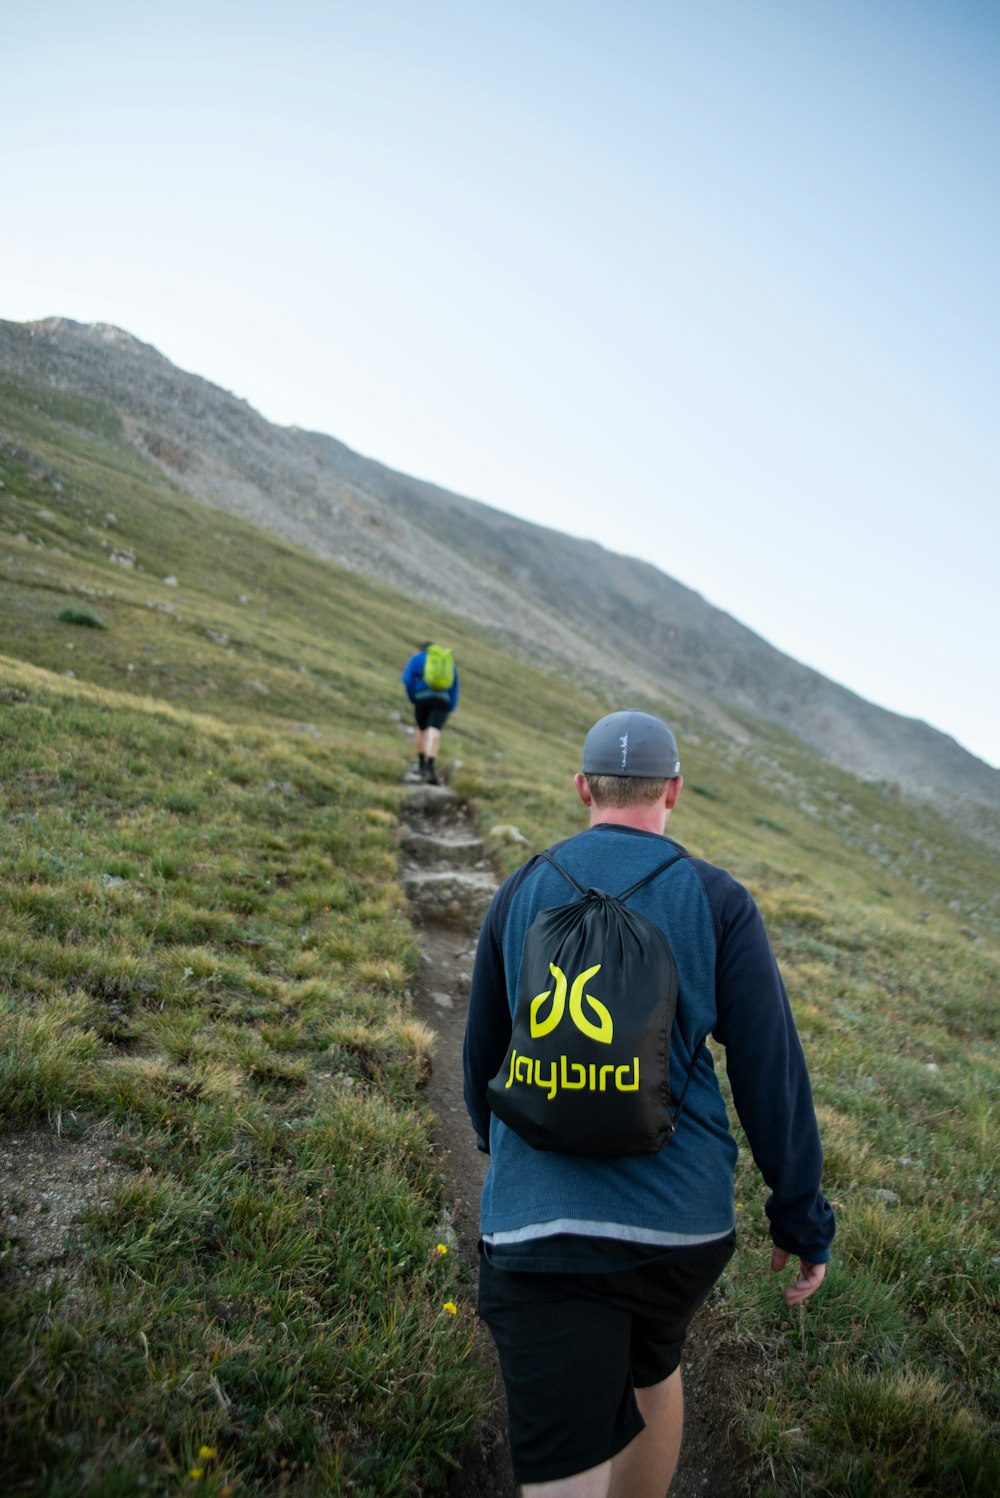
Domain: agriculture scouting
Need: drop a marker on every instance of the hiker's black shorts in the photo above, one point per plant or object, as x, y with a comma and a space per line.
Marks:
574, 1348
431, 712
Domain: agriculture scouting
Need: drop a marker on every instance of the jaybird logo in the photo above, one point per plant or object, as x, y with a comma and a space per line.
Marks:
602, 1029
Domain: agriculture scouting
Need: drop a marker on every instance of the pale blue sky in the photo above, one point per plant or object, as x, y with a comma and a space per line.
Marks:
716, 285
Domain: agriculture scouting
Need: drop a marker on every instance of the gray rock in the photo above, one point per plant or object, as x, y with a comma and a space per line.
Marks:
450, 895
427, 848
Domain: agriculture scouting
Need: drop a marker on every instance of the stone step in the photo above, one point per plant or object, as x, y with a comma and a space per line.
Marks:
430, 798
456, 848
454, 895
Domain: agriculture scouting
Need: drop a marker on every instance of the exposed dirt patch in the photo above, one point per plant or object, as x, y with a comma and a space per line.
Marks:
436, 825
46, 1182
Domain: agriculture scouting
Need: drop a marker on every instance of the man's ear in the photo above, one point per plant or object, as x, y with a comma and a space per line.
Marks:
673, 791
582, 788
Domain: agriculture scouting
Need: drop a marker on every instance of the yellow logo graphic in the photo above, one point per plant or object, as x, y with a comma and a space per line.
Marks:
572, 1076
603, 1030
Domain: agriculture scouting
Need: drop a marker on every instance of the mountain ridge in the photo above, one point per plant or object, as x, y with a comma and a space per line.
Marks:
565, 600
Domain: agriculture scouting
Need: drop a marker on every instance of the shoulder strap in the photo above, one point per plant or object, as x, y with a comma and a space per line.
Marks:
626, 894
564, 872
687, 1081
648, 878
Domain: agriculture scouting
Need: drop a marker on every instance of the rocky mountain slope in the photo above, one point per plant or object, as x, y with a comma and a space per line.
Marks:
549, 595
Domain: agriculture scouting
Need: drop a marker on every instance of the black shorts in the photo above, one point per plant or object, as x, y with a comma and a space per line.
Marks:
574, 1347
431, 712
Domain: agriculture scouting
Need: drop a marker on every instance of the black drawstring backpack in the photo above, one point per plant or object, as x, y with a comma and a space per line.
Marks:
587, 1069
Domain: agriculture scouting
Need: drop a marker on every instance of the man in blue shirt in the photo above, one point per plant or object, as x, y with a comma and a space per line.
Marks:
592, 1268
431, 707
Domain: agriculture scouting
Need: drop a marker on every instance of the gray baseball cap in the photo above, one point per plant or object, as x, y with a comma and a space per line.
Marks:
631, 743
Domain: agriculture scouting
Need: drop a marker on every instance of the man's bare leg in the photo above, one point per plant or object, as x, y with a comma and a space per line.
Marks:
428, 741
645, 1468
590, 1484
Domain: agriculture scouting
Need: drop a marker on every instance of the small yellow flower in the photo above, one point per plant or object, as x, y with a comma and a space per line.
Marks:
441, 1248
195, 1473
207, 1453
451, 1308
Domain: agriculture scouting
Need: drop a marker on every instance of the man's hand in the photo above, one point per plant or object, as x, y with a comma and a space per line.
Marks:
810, 1277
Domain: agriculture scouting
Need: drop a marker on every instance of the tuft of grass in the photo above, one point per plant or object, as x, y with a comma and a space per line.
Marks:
84, 617
48, 1058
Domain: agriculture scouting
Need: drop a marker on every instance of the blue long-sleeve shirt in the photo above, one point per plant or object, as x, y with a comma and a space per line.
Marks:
729, 988
417, 688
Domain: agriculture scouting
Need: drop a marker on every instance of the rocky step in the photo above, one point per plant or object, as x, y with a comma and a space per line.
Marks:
452, 895
456, 848
431, 799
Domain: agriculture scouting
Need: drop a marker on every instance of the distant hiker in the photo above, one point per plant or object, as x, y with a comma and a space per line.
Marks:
431, 682
595, 1257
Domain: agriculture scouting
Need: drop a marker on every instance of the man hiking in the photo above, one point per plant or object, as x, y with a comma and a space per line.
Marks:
594, 1257
431, 682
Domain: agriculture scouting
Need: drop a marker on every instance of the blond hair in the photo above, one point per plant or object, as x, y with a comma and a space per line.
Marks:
625, 790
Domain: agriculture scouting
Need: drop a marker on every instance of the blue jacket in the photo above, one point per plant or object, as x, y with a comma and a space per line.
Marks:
729, 988
417, 688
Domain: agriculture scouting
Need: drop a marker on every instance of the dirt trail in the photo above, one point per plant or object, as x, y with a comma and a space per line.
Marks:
448, 878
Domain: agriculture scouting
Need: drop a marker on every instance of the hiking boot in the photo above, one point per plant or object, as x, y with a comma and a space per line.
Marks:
430, 776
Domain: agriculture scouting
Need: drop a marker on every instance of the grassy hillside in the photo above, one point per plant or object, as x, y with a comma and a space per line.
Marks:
204, 960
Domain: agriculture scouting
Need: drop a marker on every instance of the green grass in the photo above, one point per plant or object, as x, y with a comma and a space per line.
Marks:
204, 952
83, 617
204, 969
896, 1359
